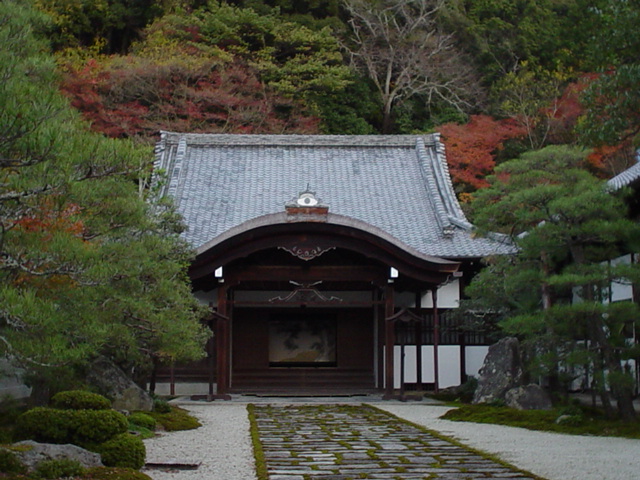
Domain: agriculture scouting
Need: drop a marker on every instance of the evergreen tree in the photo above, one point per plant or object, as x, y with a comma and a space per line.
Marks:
554, 293
87, 266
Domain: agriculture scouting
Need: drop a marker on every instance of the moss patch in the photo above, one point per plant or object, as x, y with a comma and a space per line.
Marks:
176, 419
590, 422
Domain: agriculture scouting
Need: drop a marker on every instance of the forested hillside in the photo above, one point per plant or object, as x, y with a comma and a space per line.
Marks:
496, 77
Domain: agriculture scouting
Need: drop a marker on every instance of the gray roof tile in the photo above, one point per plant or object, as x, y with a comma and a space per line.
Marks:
398, 184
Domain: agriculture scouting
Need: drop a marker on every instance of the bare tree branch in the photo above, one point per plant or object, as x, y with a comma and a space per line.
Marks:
398, 44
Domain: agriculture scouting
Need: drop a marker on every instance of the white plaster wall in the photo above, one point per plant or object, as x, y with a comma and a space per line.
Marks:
448, 365
474, 359
621, 291
207, 297
448, 297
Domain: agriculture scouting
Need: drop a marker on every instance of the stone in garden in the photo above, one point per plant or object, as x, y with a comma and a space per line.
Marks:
32, 453
112, 382
501, 371
529, 397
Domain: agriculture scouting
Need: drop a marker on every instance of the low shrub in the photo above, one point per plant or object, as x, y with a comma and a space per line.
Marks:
59, 468
176, 419
80, 400
97, 426
46, 425
143, 420
85, 428
9, 462
114, 473
123, 450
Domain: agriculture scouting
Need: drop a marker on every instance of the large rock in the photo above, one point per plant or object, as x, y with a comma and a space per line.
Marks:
501, 371
113, 383
32, 453
11, 381
529, 397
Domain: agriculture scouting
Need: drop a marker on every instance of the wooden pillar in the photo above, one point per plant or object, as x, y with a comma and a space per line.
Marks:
389, 342
436, 340
418, 335
223, 345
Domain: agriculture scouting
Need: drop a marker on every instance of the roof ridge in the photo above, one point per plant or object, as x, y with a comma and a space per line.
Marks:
295, 140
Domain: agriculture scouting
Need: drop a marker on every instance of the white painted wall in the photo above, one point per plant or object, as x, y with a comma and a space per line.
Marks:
448, 297
448, 364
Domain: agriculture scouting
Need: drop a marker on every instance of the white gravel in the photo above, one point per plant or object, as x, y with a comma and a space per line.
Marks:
550, 455
222, 446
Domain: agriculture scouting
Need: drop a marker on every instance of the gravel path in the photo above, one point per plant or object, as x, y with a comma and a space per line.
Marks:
549, 455
223, 448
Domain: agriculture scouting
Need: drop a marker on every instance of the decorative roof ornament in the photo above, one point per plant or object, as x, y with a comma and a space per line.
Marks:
306, 208
306, 198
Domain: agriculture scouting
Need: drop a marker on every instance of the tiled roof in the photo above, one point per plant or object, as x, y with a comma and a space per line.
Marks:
627, 178
397, 184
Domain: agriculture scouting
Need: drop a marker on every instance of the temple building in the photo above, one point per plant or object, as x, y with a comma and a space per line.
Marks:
330, 263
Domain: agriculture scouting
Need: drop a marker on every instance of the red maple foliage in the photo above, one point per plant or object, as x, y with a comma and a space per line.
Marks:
139, 98
472, 148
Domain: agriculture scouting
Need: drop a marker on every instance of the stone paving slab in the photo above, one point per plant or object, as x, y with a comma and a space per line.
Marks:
351, 442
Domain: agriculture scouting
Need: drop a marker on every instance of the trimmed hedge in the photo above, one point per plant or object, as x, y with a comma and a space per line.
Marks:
80, 400
123, 450
85, 428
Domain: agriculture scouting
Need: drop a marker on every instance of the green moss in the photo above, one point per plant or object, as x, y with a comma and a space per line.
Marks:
258, 453
113, 473
176, 419
9, 462
59, 468
581, 421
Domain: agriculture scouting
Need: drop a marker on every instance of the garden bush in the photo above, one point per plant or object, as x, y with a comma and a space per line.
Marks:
143, 420
46, 425
59, 468
9, 463
97, 426
80, 400
114, 473
85, 428
123, 450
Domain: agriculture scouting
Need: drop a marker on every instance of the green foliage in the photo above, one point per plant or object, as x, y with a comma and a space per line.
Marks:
555, 291
45, 425
612, 100
80, 400
114, 473
9, 462
124, 451
85, 428
59, 468
177, 419
143, 420
88, 263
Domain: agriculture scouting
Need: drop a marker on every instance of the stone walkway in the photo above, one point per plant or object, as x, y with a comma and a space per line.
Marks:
343, 442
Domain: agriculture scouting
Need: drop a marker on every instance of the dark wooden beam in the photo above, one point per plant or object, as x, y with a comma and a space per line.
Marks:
305, 274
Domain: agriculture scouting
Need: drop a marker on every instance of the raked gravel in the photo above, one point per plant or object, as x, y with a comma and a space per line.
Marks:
222, 446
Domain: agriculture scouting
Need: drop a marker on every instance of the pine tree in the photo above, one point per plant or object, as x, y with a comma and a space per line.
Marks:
554, 293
